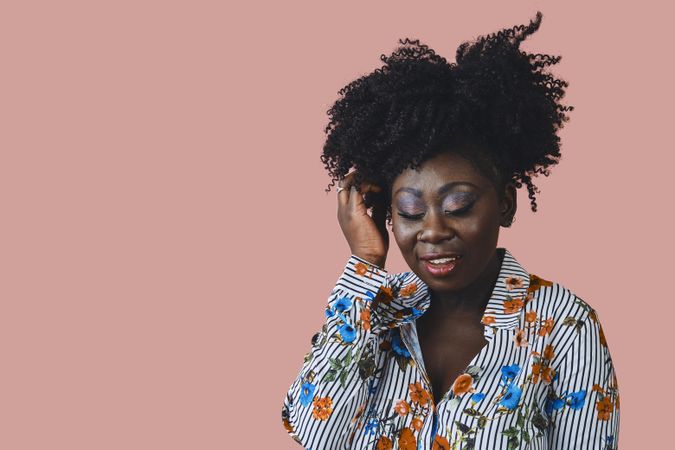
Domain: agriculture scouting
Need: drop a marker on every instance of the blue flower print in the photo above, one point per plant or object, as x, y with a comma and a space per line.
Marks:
478, 396
511, 397
575, 400
329, 313
371, 426
553, 405
348, 333
509, 373
413, 315
342, 305
307, 393
397, 345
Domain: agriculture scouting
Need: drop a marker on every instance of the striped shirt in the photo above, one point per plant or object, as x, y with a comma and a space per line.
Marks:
544, 380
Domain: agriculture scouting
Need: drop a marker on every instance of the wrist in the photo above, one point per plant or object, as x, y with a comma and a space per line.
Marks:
377, 261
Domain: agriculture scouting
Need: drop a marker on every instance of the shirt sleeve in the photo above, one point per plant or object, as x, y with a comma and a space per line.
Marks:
584, 403
330, 392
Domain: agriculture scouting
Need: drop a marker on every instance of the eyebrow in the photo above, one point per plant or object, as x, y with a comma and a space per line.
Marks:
442, 190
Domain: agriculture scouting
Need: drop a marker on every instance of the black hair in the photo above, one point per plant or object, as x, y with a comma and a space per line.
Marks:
498, 98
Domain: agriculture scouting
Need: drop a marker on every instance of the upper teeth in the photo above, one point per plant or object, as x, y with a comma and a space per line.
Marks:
442, 260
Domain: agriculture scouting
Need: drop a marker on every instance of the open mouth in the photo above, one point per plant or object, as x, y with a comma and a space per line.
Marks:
440, 266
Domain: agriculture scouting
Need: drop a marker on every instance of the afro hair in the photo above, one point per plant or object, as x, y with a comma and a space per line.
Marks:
497, 98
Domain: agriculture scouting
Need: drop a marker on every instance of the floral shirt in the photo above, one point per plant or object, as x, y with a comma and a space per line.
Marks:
544, 380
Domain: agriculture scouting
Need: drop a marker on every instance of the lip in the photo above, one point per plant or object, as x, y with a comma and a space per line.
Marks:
430, 256
440, 270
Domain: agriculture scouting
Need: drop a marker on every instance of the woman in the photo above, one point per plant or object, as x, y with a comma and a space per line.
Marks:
468, 349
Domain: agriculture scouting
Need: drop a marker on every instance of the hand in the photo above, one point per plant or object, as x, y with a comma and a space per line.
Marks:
367, 236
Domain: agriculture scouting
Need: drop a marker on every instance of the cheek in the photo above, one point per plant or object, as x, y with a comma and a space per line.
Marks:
480, 227
404, 234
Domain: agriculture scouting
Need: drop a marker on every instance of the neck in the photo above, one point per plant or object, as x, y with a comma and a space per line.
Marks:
472, 300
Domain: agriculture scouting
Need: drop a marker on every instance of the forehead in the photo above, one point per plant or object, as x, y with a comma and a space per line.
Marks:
443, 168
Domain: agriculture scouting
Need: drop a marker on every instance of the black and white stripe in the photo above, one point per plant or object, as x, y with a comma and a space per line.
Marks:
581, 361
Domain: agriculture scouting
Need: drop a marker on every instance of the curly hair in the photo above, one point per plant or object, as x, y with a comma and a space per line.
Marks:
497, 98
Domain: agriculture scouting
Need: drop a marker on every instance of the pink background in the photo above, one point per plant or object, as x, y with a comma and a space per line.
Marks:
167, 245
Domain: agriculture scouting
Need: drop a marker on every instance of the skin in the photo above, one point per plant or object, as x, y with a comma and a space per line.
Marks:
431, 215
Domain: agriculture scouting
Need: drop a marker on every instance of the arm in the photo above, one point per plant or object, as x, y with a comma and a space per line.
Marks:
333, 382
584, 403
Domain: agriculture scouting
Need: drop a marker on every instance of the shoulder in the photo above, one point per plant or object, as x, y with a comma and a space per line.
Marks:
553, 300
570, 318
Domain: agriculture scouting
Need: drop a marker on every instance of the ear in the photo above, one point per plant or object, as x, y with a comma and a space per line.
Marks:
509, 204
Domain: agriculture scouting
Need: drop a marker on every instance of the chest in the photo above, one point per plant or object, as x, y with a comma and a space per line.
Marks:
447, 351
502, 397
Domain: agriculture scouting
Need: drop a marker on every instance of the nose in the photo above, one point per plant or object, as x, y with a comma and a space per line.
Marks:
435, 228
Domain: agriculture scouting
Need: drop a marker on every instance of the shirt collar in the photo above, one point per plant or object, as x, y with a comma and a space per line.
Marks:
512, 290
510, 294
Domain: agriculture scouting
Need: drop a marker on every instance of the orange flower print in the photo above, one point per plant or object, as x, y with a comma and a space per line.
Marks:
488, 320
536, 283
520, 339
417, 423
418, 394
359, 412
536, 372
365, 319
408, 290
462, 384
323, 407
598, 388
548, 352
604, 407
406, 440
513, 283
530, 316
618, 405
402, 408
384, 295
360, 268
288, 426
440, 443
593, 315
546, 373
384, 443
514, 305
546, 327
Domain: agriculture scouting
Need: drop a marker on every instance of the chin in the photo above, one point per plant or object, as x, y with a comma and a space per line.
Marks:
449, 283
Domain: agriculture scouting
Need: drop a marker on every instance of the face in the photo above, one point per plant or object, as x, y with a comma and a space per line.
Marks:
447, 208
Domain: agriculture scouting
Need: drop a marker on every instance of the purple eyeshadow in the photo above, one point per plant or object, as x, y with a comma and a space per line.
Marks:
457, 200
414, 205
410, 206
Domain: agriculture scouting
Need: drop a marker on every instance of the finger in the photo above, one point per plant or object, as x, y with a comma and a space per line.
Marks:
345, 185
356, 200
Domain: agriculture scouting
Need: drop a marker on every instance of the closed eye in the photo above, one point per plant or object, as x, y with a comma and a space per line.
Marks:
460, 211
409, 216
456, 212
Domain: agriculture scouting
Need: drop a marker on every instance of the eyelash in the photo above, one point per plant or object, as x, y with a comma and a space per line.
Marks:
457, 212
